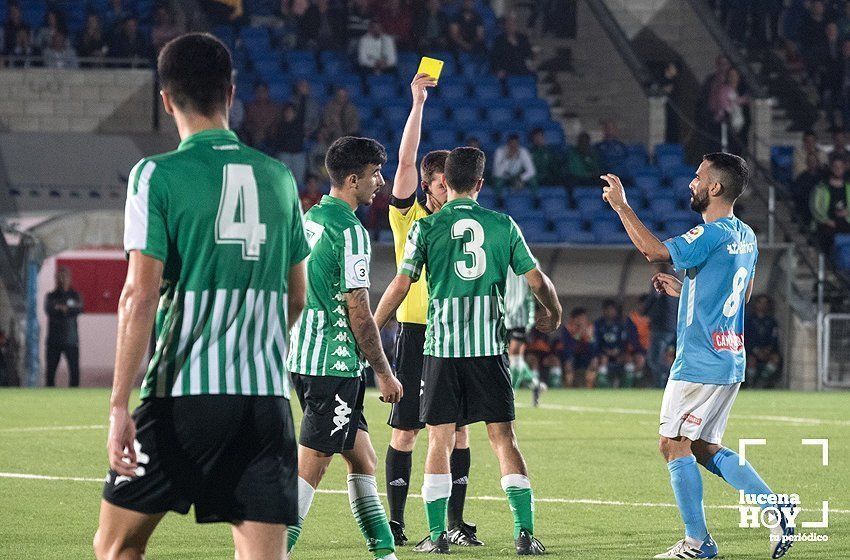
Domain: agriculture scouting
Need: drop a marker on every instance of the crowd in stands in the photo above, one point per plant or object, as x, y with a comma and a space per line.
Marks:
96, 34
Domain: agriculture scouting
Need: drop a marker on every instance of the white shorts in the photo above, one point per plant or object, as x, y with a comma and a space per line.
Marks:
696, 410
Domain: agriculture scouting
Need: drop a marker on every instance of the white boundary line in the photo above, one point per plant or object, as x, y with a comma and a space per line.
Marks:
53, 428
578, 501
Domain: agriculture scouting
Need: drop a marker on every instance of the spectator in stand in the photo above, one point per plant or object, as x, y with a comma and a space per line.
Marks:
541, 355
830, 203
114, 17
357, 18
431, 27
548, 161
832, 74
308, 110
376, 52
810, 146
23, 49
395, 17
670, 87
813, 41
14, 24
612, 152
53, 24
803, 186
662, 311
92, 43
62, 306
583, 167
60, 54
765, 21
341, 116
312, 193
511, 55
165, 28
734, 111
467, 29
616, 367
130, 42
709, 104
319, 26
261, 118
843, 94
761, 339
512, 166
637, 324
577, 350
838, 146
288, 143
316, 156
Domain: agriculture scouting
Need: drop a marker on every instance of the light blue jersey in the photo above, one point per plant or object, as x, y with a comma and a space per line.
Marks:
719, 260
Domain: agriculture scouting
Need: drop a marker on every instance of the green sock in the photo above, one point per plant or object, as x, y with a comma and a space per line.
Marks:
436, 490
305, 500
518, 489
369, 513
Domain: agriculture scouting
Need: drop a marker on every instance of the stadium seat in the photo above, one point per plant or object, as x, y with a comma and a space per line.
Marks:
528, 215
662, 207
667, 162
269, 69
453, 91
382, 87
670, 149
280, 90
487, 92
394, 115
522, 91
678, 227
609, 232
841, 252
521, 81
551, 191
535, 116
589, 206
557, 215
518, 202
648, 180
487, 199
466, 115
573, 232
782, 163
351, 83
499, 116
444, 136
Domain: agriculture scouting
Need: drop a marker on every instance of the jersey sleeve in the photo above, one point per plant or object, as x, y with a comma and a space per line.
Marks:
298, 246
145, 227
691, 249
354, 254
522, 260
414, 254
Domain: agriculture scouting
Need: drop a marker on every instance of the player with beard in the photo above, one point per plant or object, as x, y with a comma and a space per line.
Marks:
335, 337
719, 261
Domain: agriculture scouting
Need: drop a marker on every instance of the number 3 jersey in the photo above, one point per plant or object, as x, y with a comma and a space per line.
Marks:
719, 260
322, 340
466, 251
226, 222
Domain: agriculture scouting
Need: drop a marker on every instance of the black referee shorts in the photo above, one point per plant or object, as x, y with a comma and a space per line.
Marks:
466, 390
409, 345
234, 457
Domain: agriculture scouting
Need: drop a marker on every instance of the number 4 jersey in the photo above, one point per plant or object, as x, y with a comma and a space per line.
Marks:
719, 260
466, 251
226, 221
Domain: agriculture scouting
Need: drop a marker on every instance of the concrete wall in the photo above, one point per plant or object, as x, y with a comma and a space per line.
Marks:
51, 100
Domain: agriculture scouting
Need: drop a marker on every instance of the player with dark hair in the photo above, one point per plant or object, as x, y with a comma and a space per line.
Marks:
466, 252
404, 210
719, 260
215, 227
334, 339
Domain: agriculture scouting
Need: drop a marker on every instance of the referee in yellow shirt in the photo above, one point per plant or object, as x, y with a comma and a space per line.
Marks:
405, 209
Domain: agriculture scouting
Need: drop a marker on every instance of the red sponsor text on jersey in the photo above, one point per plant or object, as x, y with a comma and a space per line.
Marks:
690, 418
728, 340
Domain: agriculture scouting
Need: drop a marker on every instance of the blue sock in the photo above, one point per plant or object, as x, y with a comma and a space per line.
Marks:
687, 486
725, 464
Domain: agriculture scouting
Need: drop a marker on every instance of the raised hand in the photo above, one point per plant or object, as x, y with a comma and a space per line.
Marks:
613, 193
419, 86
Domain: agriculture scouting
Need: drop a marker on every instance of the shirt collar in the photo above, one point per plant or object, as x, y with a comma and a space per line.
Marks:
328, 199
459, 201
208, 136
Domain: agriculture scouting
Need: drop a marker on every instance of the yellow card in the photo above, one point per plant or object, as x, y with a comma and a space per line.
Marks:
431, 66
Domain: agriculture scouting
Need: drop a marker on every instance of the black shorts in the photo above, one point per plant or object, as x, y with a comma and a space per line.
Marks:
409, 345
520, 335
332, 406
466, 390
234, 457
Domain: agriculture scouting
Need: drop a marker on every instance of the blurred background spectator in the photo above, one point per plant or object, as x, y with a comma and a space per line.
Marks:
431, 27
129, 42
165, 28
287, 143
62, 306
583, 167
341, 117
830, 203
11, 30
92, 43
761, 338
311, 192
261, 117
513, 167
803, 186
376, 51
53, 24
60, 54
511, 55
467, 29
548, 160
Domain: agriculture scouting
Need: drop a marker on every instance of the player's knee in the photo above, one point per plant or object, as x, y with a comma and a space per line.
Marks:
403, 440
106, 549
664, 448
462, 438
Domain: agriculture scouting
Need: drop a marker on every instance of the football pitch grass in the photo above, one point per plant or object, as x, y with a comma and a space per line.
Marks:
602, 489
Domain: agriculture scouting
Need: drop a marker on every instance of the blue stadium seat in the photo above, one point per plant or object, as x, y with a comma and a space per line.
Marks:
444, 136
557, 215
609, 232
554, 134
573, 232
667, 162
782, 163
681, 182
535, 116
256, 39
662, 207
382, 87
465, 115
648, 180
452, 91
527, 215
434, 117
499, 116
487, 199
394, 115
280, 90
269, 70
551, 191
351, 83
589, 206
522, 91
487, 92
518, 202
521, 81
669, 149
678, 227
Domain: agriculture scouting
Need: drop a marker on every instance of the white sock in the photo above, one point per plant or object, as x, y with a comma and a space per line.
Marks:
436, 486
305, 498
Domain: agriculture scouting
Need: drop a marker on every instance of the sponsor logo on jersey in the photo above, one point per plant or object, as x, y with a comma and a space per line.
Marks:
339, 366
313, 232
692, 235
339, 310
341, 351
341, 323
741, 247
341, 337
691, 419
341, 413
728, 340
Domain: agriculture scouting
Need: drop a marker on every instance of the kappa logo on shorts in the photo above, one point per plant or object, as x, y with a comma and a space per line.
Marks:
341, 414
421, 387
142, 458
691, 419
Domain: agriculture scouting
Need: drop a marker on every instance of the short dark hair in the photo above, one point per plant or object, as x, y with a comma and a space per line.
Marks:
464, 168
433, 162
610, 303
513, 136
730, 171
197, 72
350, 155
577, 312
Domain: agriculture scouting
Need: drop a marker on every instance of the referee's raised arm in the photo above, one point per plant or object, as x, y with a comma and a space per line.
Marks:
407, 176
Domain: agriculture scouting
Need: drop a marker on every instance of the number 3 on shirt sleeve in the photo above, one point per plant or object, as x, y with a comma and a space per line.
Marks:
472, 249
239, 192
739, 284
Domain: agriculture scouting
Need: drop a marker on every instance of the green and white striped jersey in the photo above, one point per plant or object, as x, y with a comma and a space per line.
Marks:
322, 340
226, 222
466, 251
519, 303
